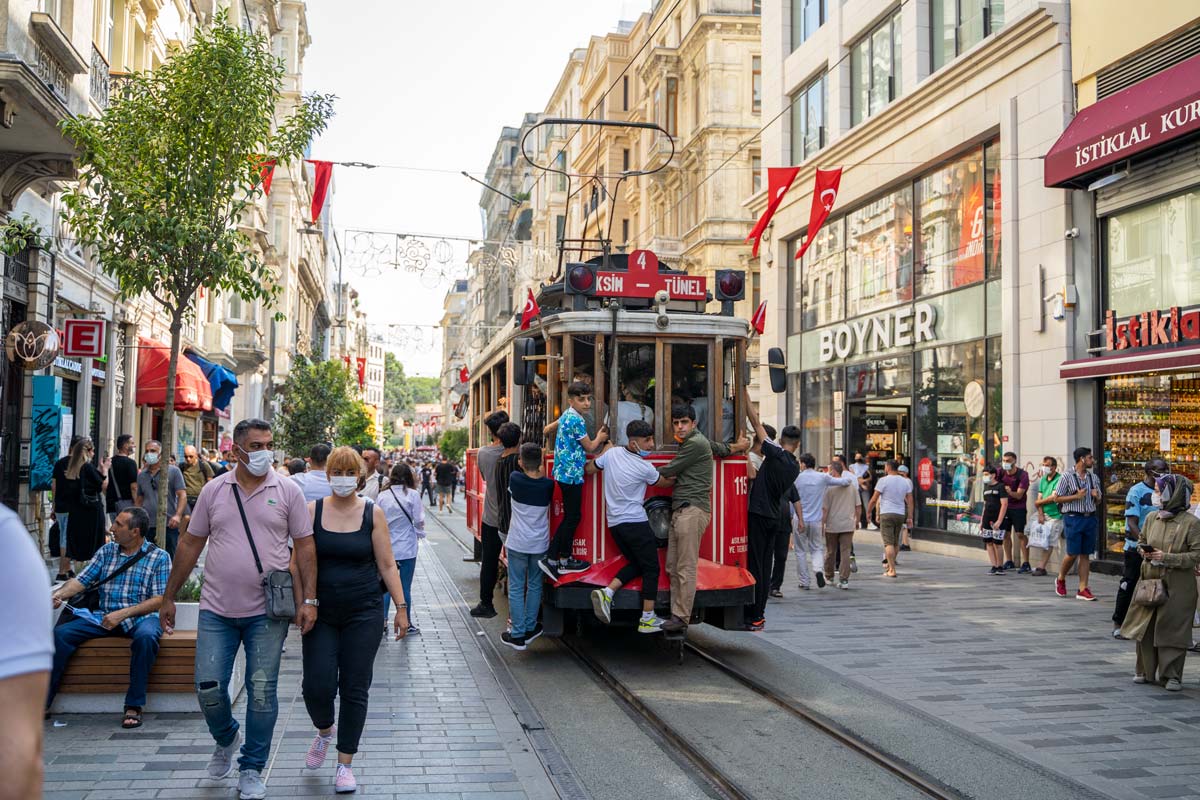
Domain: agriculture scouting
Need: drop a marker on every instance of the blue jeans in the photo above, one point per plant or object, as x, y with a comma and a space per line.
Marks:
407, 567
143, 650
217, 642
61, 517
524, 591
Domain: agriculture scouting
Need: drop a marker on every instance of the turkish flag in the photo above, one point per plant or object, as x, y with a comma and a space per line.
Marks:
362, 372
268, 174
531, 310
463, 374
320, 186
779, 180
759, 320
825, 192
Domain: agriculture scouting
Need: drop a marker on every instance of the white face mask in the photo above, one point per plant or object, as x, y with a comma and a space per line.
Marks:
986, 479
343, 485
1009, 467
1156, 499
152, 458
259, 462
1046, 470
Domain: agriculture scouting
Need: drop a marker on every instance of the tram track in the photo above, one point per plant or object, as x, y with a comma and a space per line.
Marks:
671, 735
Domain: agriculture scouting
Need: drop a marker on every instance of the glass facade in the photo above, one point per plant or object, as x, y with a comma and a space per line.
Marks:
808, 120
879, 255
958, 25
807, 17
951, 209
1152, 255
875, 70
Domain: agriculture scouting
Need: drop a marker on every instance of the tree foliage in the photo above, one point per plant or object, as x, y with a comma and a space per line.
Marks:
401, 393
357, 426
453, 443
314, 399
425, 390
169, 169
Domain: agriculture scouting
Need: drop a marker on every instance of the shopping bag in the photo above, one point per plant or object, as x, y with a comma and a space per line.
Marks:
1039, 534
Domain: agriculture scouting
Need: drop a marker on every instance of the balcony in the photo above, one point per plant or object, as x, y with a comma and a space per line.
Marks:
249, 350
744, 7
218, 344
56, 60
664, 247
98, 86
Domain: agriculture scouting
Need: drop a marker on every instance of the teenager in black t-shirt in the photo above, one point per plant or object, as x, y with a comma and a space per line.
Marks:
995, 511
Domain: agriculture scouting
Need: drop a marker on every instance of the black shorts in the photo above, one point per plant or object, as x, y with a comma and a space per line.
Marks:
992, 529
1016, 519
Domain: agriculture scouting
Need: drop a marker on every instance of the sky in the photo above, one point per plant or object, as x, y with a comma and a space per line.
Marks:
430, 85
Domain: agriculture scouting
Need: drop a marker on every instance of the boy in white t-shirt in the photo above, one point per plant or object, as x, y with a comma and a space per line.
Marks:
528, 538
626, 476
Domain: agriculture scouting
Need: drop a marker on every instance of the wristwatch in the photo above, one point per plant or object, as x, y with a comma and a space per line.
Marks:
311, 601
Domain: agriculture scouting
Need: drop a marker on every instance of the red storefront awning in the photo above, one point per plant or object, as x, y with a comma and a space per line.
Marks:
192, 390
1150, 113
1122, 363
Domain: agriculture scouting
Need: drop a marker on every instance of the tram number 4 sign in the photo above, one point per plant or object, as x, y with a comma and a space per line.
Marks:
83, 338
641, 278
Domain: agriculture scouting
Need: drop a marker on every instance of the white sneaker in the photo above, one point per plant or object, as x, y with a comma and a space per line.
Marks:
221, 764
251, 786
651, 625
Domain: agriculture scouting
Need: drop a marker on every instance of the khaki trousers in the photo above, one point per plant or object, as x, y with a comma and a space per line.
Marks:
683, 552
1159, 664
835, 543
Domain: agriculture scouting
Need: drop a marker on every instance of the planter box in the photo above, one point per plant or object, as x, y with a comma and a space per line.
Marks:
187, 616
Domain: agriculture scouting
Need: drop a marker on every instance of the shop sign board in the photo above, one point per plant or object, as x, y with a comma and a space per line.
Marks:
1151, 329
907, 326
83, 338
925, 474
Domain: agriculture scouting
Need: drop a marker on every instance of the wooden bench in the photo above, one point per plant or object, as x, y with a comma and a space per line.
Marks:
101, 666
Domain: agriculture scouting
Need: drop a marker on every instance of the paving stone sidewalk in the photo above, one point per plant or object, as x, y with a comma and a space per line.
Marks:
438, 727
1007, 660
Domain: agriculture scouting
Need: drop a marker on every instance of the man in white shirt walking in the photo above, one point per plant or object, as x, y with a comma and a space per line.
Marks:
893, 507
810, 538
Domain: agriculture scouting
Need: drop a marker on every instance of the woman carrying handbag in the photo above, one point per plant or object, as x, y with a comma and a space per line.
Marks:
86, 533
1160, 616
405, 513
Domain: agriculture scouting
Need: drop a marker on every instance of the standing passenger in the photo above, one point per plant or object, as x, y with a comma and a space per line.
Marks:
489, 536
528, 538
766, 511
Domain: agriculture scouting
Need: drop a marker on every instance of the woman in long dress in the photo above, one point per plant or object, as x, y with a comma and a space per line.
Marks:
85, 534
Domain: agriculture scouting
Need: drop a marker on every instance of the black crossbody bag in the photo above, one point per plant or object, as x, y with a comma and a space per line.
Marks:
277, 583
90, 598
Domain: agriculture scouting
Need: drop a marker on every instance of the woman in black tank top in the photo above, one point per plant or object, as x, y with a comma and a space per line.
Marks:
354, 551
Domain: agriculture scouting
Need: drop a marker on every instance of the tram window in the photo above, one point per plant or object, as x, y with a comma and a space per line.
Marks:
533, 401
583, 368
635, 373
689, 381
729, 368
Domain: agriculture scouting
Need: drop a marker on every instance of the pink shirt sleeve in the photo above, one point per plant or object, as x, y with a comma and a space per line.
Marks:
299, 521
199, 523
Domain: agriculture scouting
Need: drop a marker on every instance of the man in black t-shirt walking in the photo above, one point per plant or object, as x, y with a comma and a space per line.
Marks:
446, 474
122, 477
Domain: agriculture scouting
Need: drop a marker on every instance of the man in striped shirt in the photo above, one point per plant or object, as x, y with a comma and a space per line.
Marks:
1077, 494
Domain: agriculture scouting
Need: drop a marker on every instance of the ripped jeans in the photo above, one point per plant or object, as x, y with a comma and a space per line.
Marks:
217, 642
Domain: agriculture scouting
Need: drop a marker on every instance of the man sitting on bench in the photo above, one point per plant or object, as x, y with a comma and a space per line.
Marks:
130, 575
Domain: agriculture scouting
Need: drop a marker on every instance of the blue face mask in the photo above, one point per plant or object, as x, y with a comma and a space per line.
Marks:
644, 453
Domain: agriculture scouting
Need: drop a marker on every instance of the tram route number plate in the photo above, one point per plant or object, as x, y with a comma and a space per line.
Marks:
642, 279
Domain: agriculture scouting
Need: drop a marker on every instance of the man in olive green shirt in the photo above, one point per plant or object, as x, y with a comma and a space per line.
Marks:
691, 507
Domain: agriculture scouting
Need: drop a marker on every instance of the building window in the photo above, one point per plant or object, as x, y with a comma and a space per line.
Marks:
879, 254
625, 159
625, 231
808, 120
1153, 256
696, 92
624, 92
822, 274
807, 17
756, 7
756, 84
952, 226
875, 69
560, 163
755, 173
671, 112
958, 25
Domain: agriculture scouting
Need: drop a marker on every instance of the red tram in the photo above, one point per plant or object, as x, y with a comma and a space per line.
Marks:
638, 333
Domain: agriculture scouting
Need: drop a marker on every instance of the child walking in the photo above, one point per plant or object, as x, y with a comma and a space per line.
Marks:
571, 445
528, 537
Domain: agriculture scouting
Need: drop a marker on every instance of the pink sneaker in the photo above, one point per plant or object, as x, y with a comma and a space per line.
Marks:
344, 783
317, 750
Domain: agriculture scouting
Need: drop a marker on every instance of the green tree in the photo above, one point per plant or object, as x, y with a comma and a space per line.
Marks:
397, 394
453, 443
425, 390
314, 399
356, 426
169, 169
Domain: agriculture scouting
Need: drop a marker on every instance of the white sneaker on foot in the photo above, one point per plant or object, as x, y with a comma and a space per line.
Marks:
251, 786
221, 764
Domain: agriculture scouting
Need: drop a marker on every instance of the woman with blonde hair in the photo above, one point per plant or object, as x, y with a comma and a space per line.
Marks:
85, 535
354, 550
401, 504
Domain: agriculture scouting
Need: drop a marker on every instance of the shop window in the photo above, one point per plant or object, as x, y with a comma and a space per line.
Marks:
635, 389
807, 17
958, 25
875, 69
991, 205
808, 120
879, 253
950, 206
814, 408
1137, 411
689, 381
889, 377
1153, 255
822, 275
995, 403
949, 429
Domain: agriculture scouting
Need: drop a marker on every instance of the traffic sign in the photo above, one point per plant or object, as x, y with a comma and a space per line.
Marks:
83, 338
642, 278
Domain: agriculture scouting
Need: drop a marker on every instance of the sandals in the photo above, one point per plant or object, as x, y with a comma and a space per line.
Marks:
132, 719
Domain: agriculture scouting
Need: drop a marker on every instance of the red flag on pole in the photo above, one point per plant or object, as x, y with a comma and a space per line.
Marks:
362, 372
825, 192
779, 180
532, 309
268, 174
324, 171
463, 374
759, 320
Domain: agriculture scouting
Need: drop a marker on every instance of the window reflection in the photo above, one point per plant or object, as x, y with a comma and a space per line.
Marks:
823, 270
689, 382
879, 253
635, 389
951, 210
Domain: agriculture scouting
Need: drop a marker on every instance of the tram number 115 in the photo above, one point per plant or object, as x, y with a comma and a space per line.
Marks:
740, 484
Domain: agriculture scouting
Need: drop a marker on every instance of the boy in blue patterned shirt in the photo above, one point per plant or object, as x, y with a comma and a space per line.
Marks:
571, 446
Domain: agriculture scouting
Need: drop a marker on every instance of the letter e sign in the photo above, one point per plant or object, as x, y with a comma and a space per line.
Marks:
83, 338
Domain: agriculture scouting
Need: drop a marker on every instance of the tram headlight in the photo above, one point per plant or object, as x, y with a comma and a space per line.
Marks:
730, 284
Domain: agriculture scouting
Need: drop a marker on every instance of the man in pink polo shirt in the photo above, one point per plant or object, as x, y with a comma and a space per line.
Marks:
232, 603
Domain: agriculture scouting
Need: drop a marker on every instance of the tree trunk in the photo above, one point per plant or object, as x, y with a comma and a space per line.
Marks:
168, 428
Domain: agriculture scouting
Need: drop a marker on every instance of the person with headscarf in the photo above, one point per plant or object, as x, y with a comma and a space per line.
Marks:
1170, 545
